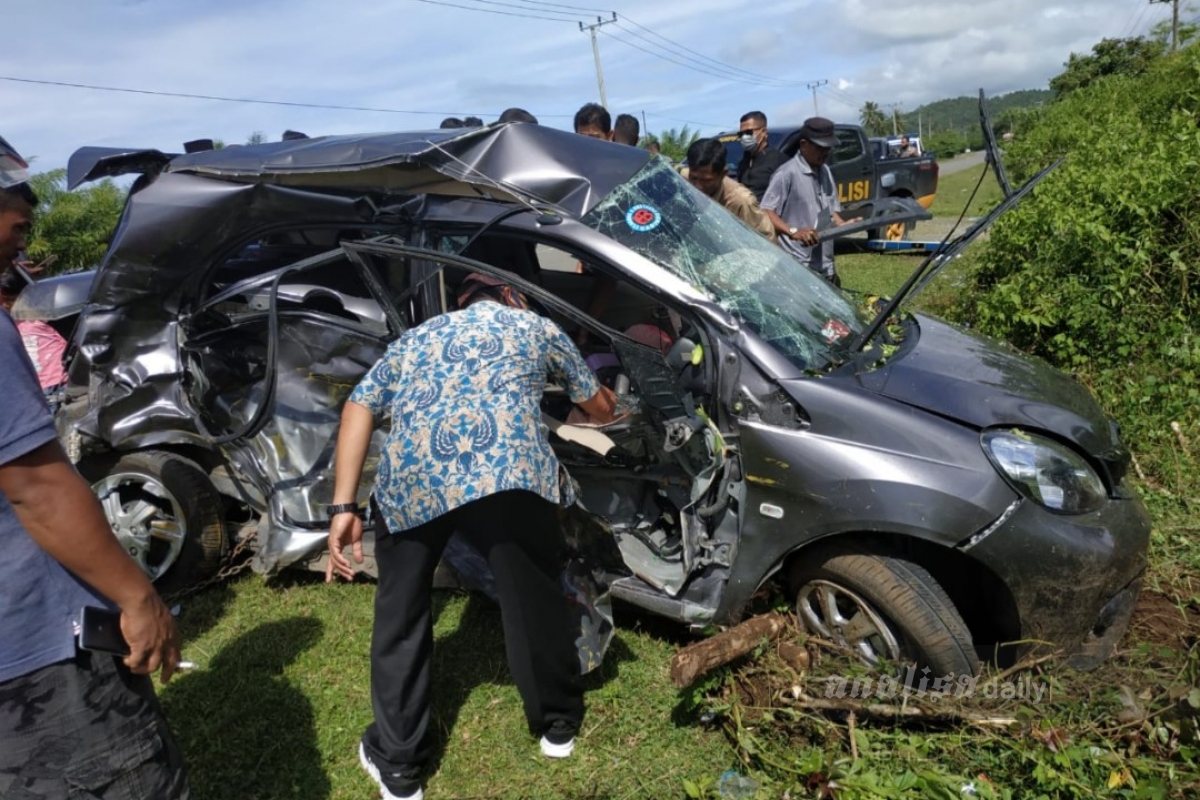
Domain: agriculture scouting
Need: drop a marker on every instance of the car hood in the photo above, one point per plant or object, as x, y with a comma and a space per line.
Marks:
986, 383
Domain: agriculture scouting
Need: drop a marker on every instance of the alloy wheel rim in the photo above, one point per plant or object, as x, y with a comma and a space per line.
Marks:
145, 518
833, 612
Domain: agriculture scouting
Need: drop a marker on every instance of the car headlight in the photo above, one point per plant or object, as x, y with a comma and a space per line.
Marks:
1045, 471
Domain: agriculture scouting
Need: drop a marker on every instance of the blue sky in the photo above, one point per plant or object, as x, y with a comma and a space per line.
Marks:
423, 56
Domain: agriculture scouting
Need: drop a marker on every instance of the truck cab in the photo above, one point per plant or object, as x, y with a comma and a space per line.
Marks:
862, 175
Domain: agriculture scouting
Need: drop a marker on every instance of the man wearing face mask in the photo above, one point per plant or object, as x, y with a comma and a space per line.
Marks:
760, 160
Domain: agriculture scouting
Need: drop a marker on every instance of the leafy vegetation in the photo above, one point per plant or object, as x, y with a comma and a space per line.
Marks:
72, 227
1130, 57
952, 124
673, 143
872, 118
1098, 272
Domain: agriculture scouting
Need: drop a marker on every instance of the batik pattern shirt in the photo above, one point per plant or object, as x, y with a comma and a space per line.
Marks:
464, 391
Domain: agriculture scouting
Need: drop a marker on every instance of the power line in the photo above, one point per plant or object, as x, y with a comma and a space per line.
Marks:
841, 96
694, 67
502, 13
674, 48
1135, 20
688, 121
698, 61
707, 59
219, 98
582, 9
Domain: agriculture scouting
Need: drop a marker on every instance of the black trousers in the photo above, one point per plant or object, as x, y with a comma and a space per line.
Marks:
519, 535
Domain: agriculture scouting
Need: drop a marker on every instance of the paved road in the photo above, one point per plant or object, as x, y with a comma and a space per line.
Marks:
960, 162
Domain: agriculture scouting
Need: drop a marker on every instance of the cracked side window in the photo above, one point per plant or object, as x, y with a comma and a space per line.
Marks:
658, 215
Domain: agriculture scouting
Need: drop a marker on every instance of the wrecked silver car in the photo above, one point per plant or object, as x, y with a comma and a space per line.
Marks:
921, 493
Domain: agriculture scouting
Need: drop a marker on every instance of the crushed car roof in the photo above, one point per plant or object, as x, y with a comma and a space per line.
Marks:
526, 162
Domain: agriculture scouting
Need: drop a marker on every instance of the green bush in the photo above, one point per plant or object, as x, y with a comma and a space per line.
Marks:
1098, 271
74, 227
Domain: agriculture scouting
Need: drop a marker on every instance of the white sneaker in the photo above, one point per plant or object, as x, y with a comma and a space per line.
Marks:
384, 792
558, 741
551, 750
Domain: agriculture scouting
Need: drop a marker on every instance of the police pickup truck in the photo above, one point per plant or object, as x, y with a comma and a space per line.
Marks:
861, 176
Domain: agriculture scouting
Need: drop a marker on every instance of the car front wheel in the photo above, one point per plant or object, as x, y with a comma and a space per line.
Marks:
165, 512
881, 608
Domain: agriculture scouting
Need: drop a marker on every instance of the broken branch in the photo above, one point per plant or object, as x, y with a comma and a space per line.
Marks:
696, 659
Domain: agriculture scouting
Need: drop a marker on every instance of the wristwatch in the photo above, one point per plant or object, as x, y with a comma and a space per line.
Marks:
793, 230
341, 508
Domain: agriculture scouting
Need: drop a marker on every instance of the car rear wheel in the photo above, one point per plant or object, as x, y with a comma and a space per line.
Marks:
165, 512
882, 608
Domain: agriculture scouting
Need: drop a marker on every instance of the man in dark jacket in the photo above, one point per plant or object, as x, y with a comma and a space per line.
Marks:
760, 159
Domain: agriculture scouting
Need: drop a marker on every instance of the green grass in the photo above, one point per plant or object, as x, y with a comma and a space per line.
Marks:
954, 190
884, 273
281, 698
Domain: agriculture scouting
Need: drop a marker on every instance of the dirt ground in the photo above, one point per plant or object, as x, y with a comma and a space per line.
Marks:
1159, 620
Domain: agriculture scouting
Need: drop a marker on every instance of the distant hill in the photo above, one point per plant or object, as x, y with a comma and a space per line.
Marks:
961, 114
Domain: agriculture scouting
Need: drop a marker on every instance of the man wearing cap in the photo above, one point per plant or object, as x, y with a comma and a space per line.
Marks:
799, 191
72, 722
466, 452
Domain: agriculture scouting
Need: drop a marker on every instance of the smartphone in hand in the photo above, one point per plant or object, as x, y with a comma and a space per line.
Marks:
100, 630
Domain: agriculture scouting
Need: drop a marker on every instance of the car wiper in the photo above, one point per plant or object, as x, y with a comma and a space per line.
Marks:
935, 262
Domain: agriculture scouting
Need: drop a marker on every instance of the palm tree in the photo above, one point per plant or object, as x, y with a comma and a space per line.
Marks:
675, 143
873, 119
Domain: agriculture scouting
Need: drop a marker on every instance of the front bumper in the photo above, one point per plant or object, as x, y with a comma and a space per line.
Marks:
1073, 579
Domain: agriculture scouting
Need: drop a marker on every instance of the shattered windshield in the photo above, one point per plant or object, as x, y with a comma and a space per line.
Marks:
659, 215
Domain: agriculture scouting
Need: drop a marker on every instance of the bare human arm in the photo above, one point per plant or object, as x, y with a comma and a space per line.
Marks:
600, 407
354, 437
806, 236
63, 517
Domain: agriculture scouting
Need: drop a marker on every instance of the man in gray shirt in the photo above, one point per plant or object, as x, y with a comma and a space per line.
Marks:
799, 191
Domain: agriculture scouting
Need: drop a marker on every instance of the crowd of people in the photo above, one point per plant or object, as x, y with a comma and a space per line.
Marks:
71, 715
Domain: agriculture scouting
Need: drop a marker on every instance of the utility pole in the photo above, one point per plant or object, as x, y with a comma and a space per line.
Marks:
814, 86
596, 52
895, 119
1174, 21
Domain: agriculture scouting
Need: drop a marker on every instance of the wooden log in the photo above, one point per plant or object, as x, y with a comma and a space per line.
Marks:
696, 659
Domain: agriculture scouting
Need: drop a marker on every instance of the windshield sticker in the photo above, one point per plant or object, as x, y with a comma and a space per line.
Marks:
642, 218
834, 330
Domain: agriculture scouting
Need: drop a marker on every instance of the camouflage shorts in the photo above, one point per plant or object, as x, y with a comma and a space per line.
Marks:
86, 728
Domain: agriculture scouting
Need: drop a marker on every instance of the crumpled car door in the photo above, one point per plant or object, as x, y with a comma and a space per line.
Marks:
659, 379
271, 360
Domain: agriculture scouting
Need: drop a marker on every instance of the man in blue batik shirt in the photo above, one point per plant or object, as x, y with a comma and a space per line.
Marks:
466, 453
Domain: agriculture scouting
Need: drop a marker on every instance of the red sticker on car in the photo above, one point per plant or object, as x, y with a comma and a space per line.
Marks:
834, 330
642, 218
